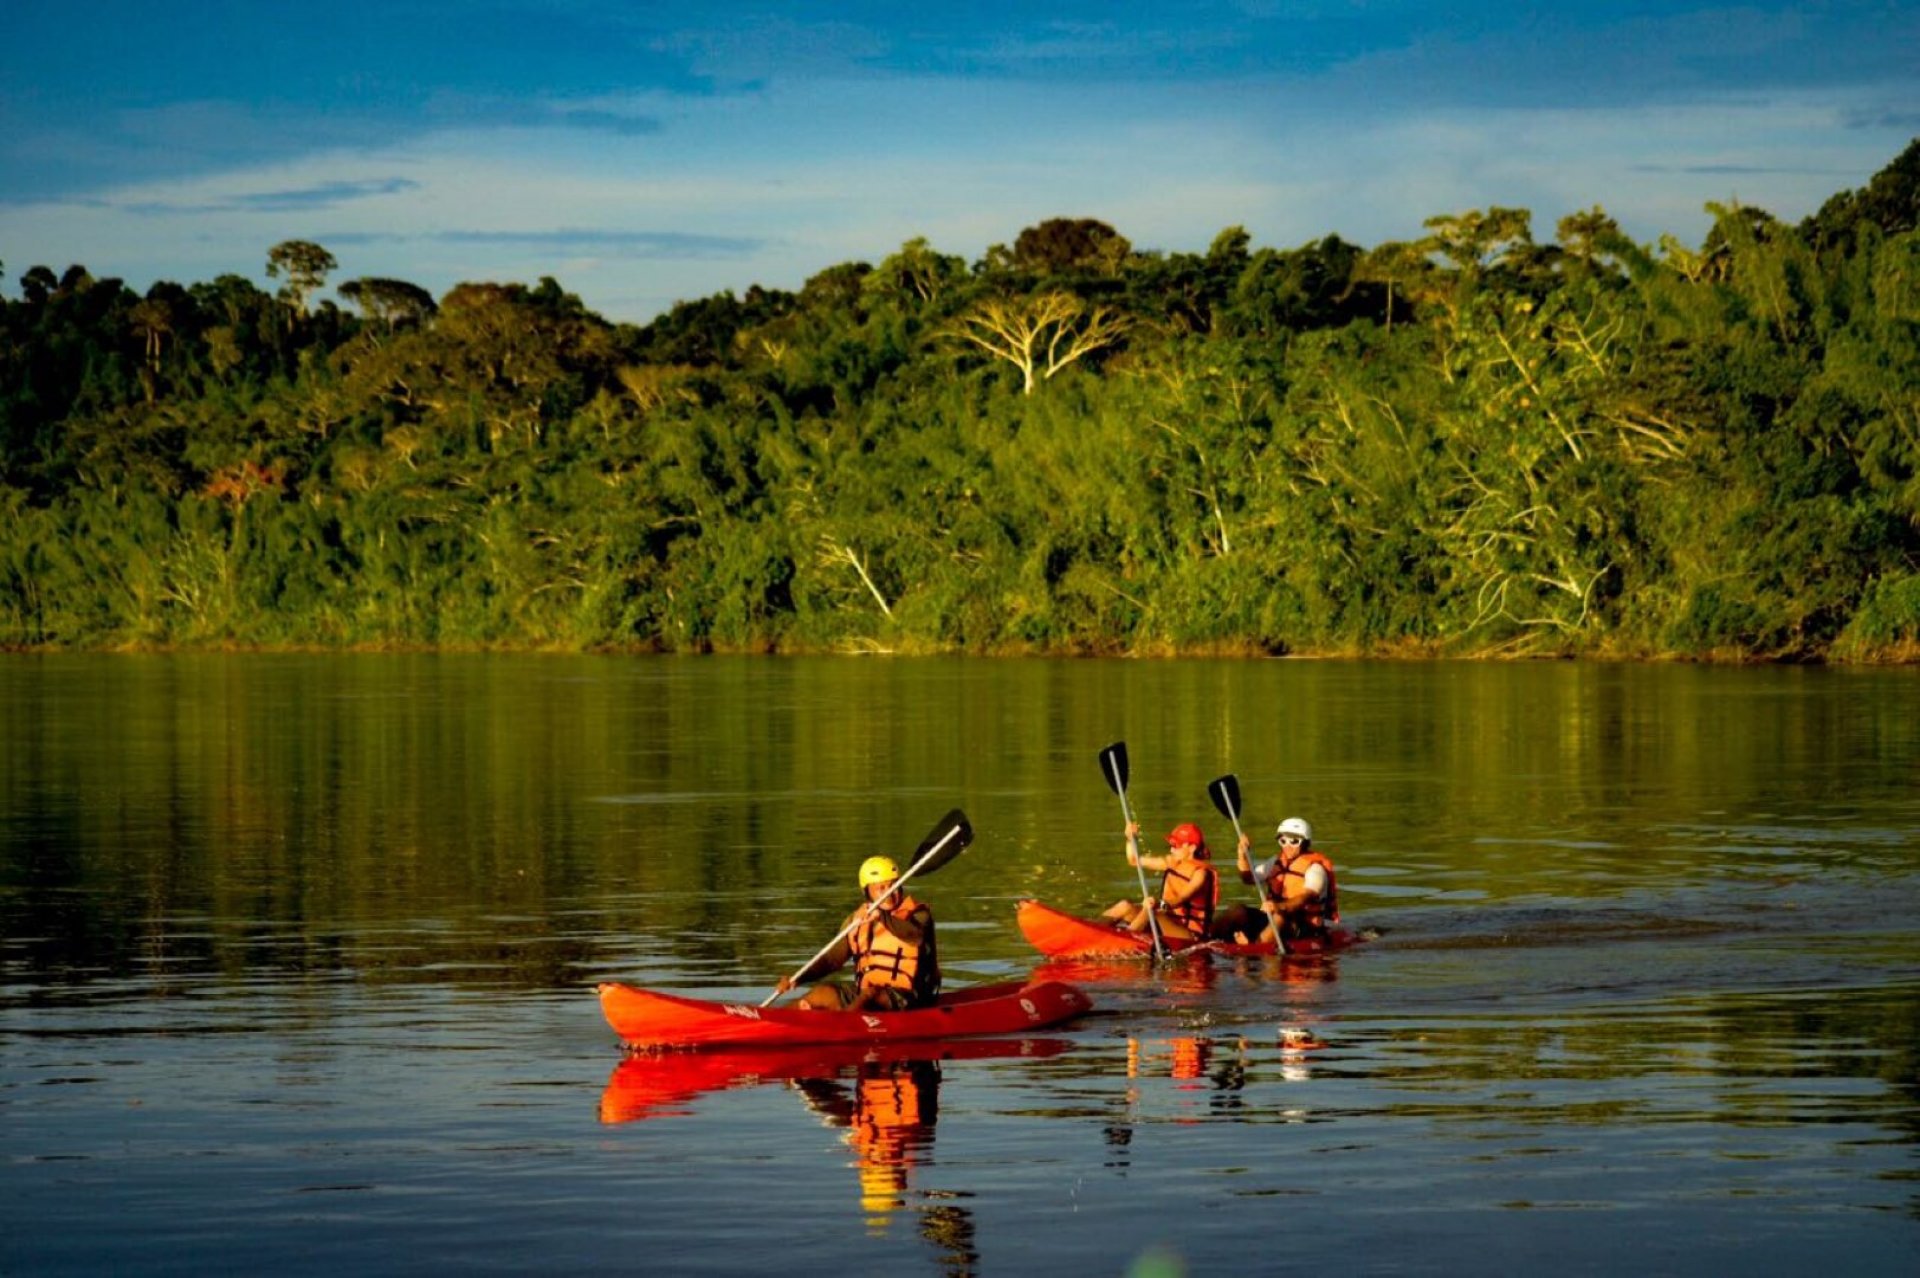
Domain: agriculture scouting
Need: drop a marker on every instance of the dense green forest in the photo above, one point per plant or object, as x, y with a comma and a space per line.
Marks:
1473, 443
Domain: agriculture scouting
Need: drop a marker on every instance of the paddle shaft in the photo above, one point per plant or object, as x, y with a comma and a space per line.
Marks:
867, 911
1116, 776
1226, 797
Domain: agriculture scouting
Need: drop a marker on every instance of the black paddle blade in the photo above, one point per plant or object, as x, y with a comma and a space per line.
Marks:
944, 842
1113, 766
1226, 795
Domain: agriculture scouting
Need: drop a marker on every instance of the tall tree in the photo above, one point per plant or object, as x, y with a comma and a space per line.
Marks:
1060, 245
1039, 335
388, 302
305, 266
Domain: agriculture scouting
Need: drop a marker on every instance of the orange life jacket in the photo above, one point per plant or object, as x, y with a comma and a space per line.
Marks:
1196, 912
886, 961
1317, 915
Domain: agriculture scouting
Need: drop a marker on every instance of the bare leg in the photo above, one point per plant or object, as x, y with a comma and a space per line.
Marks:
823, 998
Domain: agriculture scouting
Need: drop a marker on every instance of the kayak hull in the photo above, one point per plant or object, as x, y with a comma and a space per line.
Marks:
647, 1019
1057, 934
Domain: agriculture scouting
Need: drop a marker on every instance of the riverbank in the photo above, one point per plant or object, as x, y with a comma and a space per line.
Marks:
1899, 653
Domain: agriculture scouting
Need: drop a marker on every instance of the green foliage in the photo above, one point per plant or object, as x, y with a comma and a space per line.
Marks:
1887, 622
1470, 443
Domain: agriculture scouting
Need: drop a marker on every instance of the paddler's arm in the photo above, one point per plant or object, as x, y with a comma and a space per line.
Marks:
1244, 859
1133, 850
832, 961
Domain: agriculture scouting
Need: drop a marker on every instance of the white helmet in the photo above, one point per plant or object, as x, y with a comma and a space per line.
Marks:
1294, 825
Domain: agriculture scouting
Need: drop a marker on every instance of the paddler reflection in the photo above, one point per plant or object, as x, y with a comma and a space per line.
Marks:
889, 1110
1206, 1076
1194, 1063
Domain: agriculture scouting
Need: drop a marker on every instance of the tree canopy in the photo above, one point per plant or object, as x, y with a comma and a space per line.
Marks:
1475, 442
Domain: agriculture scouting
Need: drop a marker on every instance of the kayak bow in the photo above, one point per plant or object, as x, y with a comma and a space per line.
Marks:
646, 1019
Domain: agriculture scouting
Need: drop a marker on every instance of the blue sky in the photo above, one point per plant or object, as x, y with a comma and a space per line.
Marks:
642, 153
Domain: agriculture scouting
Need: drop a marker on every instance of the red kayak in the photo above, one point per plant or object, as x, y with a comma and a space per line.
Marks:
1058, 934
645, 1019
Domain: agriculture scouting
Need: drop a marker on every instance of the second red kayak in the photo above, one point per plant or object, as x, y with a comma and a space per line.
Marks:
1057, 934
645, 1019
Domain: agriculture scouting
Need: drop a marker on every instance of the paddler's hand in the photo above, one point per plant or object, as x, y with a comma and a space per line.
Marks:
786, 983
1246, 842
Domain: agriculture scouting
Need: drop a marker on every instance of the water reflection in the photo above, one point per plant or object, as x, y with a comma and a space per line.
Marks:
1184, 977
533, 823
887, 1109
1295, 973
885, 1100
1651, 947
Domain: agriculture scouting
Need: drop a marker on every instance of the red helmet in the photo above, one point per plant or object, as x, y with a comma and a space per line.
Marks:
1187, 832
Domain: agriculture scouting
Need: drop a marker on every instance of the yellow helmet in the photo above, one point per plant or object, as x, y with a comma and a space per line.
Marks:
878, 869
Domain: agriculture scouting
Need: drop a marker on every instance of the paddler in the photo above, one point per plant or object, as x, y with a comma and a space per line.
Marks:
1297, 890
1189, 886
895, 963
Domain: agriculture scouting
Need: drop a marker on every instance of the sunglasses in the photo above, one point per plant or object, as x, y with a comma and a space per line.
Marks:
1291, 838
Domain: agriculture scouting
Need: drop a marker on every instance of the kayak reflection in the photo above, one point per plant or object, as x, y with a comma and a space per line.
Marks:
659, 1084
886, 1098
1186, 974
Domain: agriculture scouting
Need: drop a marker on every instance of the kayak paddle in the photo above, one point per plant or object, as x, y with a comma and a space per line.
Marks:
944, 842
1225, 792
1113, 766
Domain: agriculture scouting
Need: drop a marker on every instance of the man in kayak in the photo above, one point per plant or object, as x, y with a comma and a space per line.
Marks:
1297, 891
896, 966
1189, 888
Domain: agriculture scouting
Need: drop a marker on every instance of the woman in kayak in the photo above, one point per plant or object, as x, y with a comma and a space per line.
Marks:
1297, 891
1188, 891
895, 964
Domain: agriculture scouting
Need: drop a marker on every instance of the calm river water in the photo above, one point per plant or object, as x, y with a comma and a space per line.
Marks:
297, 957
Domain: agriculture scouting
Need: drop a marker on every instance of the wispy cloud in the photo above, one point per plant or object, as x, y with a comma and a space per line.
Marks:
324, 195
1738, 170
594, 115
1882, 118
626, 126
666, 245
